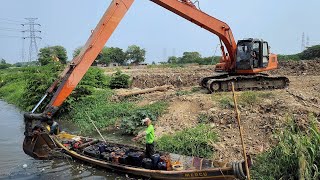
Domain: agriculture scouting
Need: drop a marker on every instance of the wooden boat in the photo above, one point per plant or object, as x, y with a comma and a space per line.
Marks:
86, 150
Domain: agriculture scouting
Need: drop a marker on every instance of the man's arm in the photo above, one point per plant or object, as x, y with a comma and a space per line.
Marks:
141, 134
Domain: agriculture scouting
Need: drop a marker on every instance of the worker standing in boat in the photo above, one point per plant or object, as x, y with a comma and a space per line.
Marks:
149, 133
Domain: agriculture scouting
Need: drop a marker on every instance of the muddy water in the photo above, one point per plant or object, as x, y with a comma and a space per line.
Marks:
15, 164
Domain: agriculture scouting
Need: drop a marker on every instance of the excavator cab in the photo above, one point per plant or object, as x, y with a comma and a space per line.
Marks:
252, 54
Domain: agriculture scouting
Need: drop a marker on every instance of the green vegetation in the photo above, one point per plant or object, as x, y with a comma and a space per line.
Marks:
108, 55
165, 65
245, 98
132, 123
203, 118
293, 57
119, 80
51, 54
135, 54
181, 93
193, 57
192, 142
310, 53
25, 86
104, 112
98, 108
297, 156
112, 54
4, 64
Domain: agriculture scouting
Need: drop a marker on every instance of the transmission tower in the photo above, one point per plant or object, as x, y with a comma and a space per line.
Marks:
308, 42
303, 43
33, 48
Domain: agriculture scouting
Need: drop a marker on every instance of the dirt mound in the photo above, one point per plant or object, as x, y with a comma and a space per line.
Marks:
176, 80
182, 77
298, 68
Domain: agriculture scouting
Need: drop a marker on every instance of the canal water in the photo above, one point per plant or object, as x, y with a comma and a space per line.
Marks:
15, 164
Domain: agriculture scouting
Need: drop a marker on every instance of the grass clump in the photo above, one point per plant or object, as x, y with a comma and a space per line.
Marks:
203, 118
181, 93
192, 142
297, 156
249, 97
245, 98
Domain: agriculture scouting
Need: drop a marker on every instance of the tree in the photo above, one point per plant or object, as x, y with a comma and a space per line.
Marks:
135, 54
4, 64
77, 51
112, 54
190, 57
210, 60
52, 54
173, 60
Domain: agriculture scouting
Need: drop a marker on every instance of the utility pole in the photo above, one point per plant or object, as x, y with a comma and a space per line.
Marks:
33, 48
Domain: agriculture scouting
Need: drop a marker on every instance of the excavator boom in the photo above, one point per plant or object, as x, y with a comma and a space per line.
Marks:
79, 66
72, 75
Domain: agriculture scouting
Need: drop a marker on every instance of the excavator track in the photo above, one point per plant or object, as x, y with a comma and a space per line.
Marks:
222, 83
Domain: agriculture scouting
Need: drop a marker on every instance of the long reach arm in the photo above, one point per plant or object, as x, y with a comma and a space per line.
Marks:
72, 75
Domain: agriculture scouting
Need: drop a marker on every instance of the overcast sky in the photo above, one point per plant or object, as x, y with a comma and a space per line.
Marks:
160, 32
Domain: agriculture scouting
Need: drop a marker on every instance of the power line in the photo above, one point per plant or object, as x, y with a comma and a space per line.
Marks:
10, 29
11, 23
15, 21
9, 36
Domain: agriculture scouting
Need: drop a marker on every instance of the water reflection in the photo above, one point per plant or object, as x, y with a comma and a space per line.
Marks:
15, 164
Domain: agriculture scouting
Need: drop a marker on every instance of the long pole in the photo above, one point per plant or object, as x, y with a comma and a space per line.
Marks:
96, 127
241, 131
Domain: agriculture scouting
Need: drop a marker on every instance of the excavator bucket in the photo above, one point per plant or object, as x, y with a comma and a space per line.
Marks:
37, 142
39, 146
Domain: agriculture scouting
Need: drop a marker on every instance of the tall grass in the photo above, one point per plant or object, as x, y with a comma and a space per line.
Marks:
297, 156
192, 142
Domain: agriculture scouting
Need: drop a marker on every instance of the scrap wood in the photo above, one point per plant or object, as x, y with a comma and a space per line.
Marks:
144, 91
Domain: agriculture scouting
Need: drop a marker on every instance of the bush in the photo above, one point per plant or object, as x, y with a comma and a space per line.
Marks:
132, 124
93, 79
192, 142
119, 80
98, 108
311, 53
297, 156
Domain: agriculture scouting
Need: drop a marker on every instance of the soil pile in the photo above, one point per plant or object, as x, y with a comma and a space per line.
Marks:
177, 77
298, 68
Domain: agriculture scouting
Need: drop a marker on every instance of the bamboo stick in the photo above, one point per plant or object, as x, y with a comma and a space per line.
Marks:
96, 127
241, 131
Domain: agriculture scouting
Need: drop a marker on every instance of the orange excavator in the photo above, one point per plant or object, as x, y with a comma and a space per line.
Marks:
241, 63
